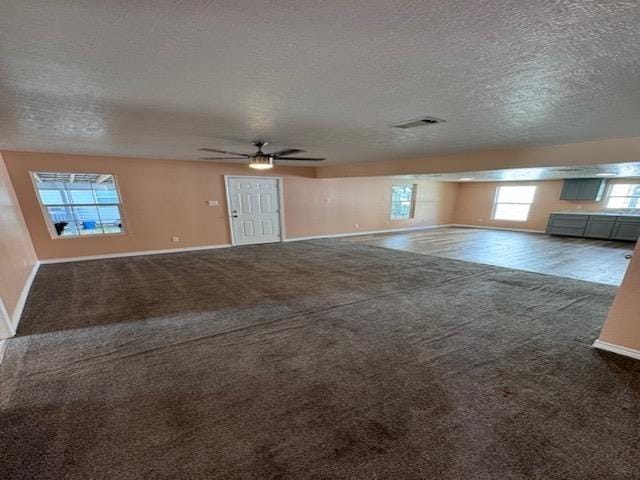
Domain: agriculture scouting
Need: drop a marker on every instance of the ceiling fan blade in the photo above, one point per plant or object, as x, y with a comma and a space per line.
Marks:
298, 159
223, 158
223, 151
288, 151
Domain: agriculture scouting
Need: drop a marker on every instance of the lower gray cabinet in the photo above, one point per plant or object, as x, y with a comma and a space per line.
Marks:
600, 227
626, 230
571, 225
611, 227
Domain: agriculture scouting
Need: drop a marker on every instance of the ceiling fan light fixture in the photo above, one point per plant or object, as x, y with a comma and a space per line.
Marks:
261, 162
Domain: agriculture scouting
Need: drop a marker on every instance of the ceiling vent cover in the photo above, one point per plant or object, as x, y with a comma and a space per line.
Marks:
419, 122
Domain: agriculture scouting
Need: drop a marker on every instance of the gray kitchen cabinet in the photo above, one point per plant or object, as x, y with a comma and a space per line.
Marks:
572, 225
592, 189
570, 189
600, 227
604, 226
626, 228
583, 189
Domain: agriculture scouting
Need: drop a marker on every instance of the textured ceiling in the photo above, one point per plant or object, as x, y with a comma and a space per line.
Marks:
612, 170
162, 78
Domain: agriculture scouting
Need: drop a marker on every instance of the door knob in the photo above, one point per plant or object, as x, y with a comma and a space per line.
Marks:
628, 256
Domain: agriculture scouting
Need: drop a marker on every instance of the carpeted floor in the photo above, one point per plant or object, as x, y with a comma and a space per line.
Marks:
314, 360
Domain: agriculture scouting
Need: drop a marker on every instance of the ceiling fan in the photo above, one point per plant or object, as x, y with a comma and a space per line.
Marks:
261, 160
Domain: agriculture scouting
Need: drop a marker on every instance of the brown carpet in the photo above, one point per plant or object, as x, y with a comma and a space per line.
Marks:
314, 360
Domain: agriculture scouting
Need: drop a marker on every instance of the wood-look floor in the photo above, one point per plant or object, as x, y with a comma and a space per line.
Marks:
599, 261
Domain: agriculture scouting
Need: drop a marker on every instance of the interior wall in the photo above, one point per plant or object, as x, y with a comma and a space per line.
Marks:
17, 256
162, 199
476, 200
348, 205
622, 326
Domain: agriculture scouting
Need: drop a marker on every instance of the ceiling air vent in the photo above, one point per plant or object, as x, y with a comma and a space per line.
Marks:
419, 122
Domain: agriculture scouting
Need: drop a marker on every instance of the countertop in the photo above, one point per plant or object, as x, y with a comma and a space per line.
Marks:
604, 214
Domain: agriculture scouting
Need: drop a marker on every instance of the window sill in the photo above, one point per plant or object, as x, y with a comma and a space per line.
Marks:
75, 237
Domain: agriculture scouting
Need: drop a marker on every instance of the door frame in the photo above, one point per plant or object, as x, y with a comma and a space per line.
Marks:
280, 201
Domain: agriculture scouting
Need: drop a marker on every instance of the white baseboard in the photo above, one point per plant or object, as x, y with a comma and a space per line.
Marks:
369, 232
611, 347
3, 348
226, 245
132, 254
489, 227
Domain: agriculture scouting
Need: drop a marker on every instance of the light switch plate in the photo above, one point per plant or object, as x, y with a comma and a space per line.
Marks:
213, 203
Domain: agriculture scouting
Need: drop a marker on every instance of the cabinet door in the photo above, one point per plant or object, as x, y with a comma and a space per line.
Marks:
572, 225
590, 189
626, 231
599, 228
570, 190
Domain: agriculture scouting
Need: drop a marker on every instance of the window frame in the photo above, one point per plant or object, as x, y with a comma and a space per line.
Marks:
412, 207
608, 196
496, 203
47, 219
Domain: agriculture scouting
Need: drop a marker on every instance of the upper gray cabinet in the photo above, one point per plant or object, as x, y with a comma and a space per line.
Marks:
583, 189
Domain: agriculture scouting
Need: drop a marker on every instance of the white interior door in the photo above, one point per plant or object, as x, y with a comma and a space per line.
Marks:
254, 210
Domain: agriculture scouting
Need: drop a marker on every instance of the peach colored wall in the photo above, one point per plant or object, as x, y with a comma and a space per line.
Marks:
585, 153
622, 326
17, 257
476, 199
332, 206
166, 198
160, 199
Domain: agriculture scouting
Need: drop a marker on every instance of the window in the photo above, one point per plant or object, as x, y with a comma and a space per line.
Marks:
513, 203
403, 200
624, 196
79, 204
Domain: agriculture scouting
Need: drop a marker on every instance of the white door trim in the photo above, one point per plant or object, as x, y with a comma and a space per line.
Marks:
280, 201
